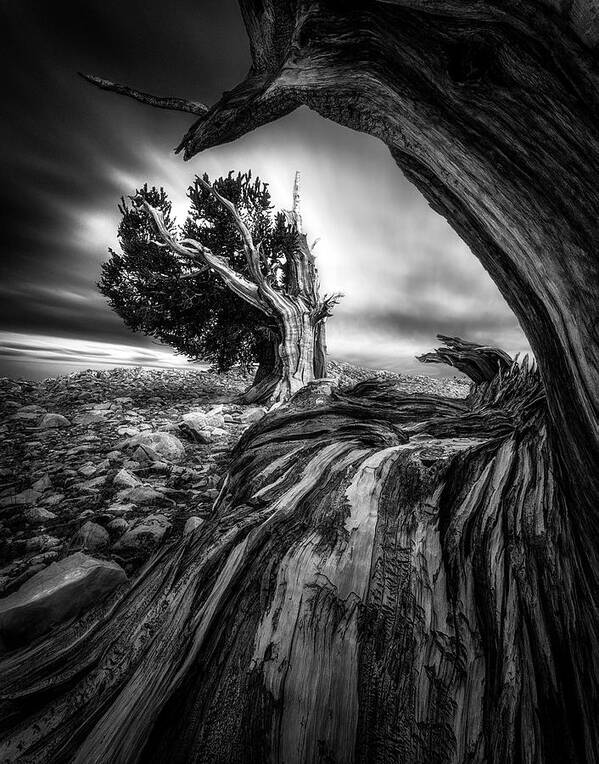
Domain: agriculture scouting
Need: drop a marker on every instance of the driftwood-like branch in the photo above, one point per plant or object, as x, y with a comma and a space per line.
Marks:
160, 102
479, 362
252, 253
242, 287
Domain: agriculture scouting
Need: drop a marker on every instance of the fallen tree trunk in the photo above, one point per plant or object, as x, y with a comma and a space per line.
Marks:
378, 584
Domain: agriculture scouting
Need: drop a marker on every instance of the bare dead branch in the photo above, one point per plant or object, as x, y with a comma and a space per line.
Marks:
160, 102
251, 251
325, 308
242, 287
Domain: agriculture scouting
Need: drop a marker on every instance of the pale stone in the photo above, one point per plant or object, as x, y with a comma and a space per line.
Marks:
57, 593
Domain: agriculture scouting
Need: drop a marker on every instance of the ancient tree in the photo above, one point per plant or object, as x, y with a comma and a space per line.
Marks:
387, 577
290, 300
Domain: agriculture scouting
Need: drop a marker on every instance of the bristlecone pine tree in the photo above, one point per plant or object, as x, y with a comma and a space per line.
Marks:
157, 291
387, 577
290, 301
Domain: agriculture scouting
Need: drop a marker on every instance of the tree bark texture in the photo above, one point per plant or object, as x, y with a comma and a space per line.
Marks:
387, 577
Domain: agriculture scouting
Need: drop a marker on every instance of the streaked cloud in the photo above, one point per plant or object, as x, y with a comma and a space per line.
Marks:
41, 355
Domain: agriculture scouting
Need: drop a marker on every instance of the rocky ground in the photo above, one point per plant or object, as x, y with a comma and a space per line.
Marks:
114, 463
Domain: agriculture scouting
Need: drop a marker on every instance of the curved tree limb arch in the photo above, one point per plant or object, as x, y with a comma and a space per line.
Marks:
491, 108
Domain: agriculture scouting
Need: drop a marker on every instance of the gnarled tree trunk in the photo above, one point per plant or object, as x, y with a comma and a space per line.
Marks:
388, 577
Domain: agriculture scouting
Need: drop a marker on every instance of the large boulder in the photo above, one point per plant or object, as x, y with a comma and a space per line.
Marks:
164, 444
55, 594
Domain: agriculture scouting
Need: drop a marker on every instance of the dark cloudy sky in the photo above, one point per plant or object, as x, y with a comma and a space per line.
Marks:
70, 151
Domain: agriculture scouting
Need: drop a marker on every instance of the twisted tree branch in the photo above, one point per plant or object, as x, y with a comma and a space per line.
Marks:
235, 281
160, 102
252, 252
479, 362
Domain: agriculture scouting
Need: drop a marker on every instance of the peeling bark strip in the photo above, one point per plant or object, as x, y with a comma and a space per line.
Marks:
298, 311
387, 577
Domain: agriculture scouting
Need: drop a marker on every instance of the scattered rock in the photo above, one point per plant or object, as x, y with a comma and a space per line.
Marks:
38, 515
57, 593
124, 479
87, 470
42, 484
42, 543
141, 540
50, 421
191, 524
92, 485
53, 499
28, 496
91, 537
120, 509
165, 444
146, 455
117, 526
142, 494
199, 420
253, 415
